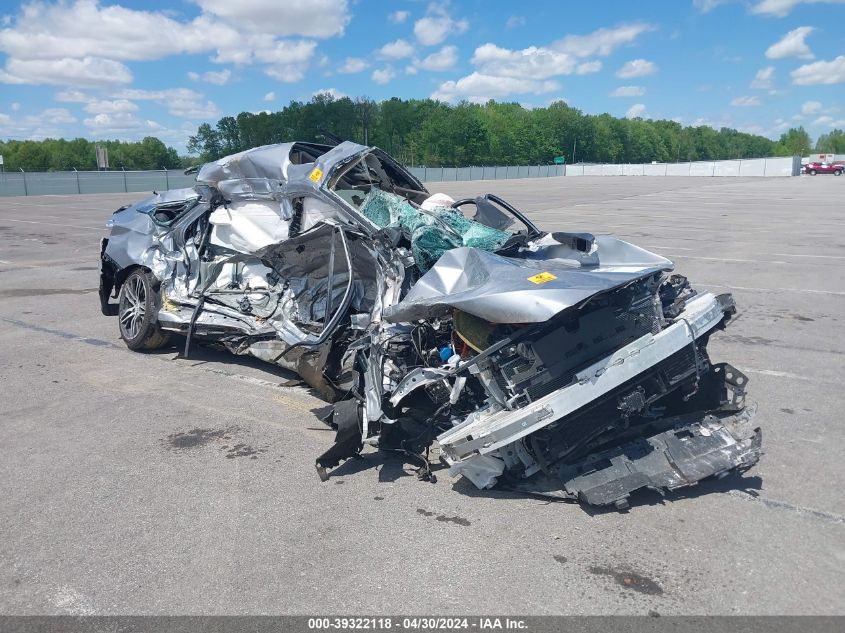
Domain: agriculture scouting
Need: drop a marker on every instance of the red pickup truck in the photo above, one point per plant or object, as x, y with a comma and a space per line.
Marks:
824, 168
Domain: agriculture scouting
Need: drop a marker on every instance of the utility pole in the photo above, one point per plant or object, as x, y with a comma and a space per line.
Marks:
574, 145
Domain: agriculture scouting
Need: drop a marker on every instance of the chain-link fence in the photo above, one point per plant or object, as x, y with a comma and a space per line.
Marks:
18, 183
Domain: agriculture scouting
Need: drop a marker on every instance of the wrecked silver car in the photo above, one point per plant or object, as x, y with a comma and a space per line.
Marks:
565, 364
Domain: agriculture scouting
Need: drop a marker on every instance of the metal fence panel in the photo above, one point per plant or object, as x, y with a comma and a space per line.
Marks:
701, 169
677, 169
46, 183
726, 167
12, 184
418, 172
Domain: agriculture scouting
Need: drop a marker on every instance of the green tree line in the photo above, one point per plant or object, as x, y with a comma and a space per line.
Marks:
432, 133
80, 154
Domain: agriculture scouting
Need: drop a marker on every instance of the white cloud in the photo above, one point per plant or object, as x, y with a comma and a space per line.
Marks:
515, 21
220, 78
764, 78
110, 106
81, 42
285, 73
83, 28
746, 101
588, 67
287, 52
705, 6
501, 72
829, 121
437, 26
353, 65
811, 107
480, 88
44, 124
331, 92
399, 49
410, 69
384, 75
792, 45
287, 59
88, 71
781, 8
312, 18
635, 111
57, 115
444, 59
72, 96
180, 102
270, 96
529, 63
820, 73
15, 106
399, 17
636, 68
601, 42
120, 123
628, 91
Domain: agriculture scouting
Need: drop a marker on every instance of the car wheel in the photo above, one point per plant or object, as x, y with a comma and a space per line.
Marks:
838, 172
137, 312
812, 172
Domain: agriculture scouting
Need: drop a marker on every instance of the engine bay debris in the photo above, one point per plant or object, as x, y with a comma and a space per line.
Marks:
564, 364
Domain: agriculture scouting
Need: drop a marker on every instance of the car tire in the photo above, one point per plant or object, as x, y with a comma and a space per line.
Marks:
838, 172
812, 172
138, 305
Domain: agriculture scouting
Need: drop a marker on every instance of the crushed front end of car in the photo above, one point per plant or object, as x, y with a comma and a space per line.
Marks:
565, 364
574, 366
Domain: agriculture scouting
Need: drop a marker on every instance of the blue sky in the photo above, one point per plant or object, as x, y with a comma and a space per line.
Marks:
131, 68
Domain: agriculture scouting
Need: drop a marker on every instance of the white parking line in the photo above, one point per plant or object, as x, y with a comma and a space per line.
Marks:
75, 226
810, 256
734, 260
780, 374
753, 289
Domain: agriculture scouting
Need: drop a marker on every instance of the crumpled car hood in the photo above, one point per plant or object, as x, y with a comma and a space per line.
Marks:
514, 290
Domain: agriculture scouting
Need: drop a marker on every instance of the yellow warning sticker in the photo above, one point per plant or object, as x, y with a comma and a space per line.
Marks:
316, 174
541, 278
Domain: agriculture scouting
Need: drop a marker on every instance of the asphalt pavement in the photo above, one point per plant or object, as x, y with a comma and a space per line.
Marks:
147, 484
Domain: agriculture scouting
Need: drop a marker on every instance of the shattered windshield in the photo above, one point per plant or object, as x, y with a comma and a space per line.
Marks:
355, 180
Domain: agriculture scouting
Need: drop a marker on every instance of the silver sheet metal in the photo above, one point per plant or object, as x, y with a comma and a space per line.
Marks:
270, 163
510, 290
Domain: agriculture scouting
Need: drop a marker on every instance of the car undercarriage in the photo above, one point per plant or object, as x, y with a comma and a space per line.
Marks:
569, 365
